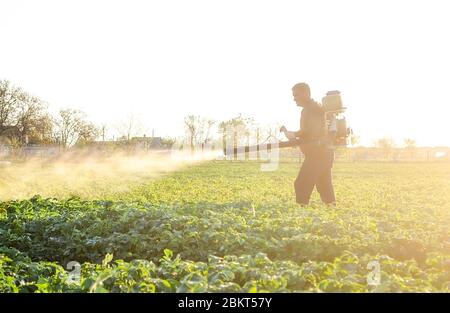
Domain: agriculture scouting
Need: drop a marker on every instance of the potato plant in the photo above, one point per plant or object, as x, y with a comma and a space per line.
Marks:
229, 227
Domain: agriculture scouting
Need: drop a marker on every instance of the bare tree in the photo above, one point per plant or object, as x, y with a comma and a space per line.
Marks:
103, 131
271, 133
194, 126
33, 122
205, 133
9, 97
387, 145
88, 133
410, 146
168, 142
42, 131
23, 117
72, 126
130, 127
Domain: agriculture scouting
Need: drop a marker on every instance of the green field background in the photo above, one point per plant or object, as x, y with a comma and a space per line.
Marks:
228, 226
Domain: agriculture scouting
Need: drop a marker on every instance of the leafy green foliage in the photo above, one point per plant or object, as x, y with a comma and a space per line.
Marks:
228, 227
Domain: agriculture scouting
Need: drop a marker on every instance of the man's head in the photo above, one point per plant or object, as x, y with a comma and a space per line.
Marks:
301, 93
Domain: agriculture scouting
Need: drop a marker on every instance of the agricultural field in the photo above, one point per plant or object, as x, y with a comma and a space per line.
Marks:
227, 226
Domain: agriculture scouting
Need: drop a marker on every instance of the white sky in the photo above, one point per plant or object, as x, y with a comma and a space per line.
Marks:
162, 60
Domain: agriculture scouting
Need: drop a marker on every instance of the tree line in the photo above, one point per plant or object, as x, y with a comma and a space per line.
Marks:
24, 120
239, 130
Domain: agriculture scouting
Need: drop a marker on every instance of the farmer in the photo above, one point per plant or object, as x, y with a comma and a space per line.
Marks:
319, 154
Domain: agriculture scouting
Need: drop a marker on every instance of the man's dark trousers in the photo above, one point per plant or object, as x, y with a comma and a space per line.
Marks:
315, 171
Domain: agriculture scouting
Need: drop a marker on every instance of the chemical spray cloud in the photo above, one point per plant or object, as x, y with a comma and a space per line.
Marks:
85, 173
236, 143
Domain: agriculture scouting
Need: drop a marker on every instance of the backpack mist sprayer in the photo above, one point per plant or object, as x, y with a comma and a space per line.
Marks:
337, 132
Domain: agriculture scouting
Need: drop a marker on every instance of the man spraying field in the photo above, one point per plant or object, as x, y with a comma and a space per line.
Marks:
317, 147
321, 130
